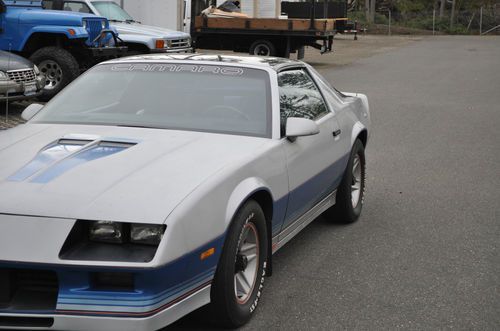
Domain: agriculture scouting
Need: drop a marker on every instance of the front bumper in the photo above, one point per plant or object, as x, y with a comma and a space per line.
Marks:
95, 295
80, 323
108, 52
172, 51
17, 91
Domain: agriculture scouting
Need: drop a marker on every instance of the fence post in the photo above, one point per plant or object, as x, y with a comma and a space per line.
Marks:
481, 21
433, 22
390, 18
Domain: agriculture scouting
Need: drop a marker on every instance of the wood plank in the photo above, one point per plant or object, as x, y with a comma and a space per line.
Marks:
265, 23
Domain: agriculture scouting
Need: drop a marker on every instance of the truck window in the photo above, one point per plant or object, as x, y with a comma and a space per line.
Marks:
76, 7
48, 4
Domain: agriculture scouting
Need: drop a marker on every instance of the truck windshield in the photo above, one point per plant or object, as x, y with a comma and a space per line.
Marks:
112, 11
206, 98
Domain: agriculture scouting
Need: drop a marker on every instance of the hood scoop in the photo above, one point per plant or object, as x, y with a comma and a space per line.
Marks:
65, 154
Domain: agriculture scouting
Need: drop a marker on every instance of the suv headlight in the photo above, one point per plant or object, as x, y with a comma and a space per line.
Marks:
84, 24
37, 71
103, 25
3, 76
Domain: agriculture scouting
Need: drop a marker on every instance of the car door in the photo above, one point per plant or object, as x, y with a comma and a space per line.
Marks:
312, 161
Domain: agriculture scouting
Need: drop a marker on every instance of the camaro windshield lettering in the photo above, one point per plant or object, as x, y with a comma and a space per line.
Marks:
227, 71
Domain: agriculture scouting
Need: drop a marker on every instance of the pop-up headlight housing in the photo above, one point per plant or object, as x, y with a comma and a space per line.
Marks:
112, 241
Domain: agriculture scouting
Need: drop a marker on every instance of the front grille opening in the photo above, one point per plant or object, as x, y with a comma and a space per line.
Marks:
113, 281
22, 76
26, 290
26, 322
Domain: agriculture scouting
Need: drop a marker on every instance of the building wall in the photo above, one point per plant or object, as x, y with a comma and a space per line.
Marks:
162, 13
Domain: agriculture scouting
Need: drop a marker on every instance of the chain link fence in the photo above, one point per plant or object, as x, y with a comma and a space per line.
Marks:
484, 20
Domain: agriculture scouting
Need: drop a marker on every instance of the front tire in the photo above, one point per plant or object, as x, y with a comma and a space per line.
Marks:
240, 275
59, 67
351, 191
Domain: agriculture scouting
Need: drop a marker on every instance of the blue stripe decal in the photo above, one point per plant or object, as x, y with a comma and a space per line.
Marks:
308, 194
85, 156
47, 156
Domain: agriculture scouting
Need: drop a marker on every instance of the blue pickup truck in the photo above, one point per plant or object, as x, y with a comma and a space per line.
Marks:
61, 44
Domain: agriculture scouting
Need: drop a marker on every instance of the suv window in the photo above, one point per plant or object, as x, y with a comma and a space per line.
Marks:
76, 7
299, 96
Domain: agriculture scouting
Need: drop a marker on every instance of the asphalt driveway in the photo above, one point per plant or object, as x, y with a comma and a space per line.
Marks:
425, 253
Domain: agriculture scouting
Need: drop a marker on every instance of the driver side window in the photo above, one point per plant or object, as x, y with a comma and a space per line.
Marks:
299, 97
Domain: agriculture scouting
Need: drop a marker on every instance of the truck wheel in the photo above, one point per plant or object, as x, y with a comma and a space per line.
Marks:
263, 48
59, 67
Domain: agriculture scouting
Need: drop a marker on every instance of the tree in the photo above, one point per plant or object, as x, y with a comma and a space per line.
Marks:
441, 8
452, 15
372, 11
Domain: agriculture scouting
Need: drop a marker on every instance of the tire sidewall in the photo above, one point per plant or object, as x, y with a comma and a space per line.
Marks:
359, 150
223, 292
66, 62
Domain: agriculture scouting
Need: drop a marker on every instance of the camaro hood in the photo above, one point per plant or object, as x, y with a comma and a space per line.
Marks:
152, 31
109, 173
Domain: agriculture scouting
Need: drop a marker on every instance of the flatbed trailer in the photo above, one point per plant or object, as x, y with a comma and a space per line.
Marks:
264, 36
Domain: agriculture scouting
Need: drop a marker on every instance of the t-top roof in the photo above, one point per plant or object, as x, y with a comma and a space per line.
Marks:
275, 63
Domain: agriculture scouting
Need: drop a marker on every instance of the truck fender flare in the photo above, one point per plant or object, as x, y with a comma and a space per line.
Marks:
78, 32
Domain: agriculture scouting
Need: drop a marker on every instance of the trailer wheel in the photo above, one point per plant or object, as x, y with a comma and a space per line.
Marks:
263, 48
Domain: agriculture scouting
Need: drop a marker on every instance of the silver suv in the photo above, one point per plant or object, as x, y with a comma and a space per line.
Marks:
138, 37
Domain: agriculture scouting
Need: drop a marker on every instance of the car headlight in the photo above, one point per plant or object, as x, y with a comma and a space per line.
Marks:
84, 24
37, 71
3, 76
103, 25
119, 233
105, 231
147, 234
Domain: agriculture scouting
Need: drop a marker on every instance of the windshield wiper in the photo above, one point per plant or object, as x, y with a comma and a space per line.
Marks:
119, 21
132, 21
138, 126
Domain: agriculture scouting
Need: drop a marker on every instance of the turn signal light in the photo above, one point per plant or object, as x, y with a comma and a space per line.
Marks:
206, 254
160, 43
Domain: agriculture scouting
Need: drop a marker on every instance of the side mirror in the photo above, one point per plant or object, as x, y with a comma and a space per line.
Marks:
300, 127
31, 111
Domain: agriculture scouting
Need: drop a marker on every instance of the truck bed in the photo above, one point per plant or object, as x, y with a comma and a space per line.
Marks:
322, 26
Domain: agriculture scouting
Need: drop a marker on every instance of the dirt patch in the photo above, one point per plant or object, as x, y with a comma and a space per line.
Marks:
347, 50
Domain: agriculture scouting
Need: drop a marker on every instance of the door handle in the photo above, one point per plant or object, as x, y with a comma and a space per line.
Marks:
336, 133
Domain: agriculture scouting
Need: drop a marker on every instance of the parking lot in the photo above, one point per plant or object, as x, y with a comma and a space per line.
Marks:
425, 253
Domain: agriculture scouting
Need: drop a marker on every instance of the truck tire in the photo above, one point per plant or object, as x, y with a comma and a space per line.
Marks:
59, 67
263, 48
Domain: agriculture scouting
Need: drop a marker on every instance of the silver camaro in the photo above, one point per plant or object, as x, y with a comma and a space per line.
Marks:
155, 185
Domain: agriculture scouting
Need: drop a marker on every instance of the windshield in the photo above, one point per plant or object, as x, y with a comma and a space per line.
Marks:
112, 11
207, 98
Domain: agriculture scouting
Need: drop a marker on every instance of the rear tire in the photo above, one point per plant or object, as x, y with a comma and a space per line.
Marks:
263, 48
59, 67
351, 191
240, 274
